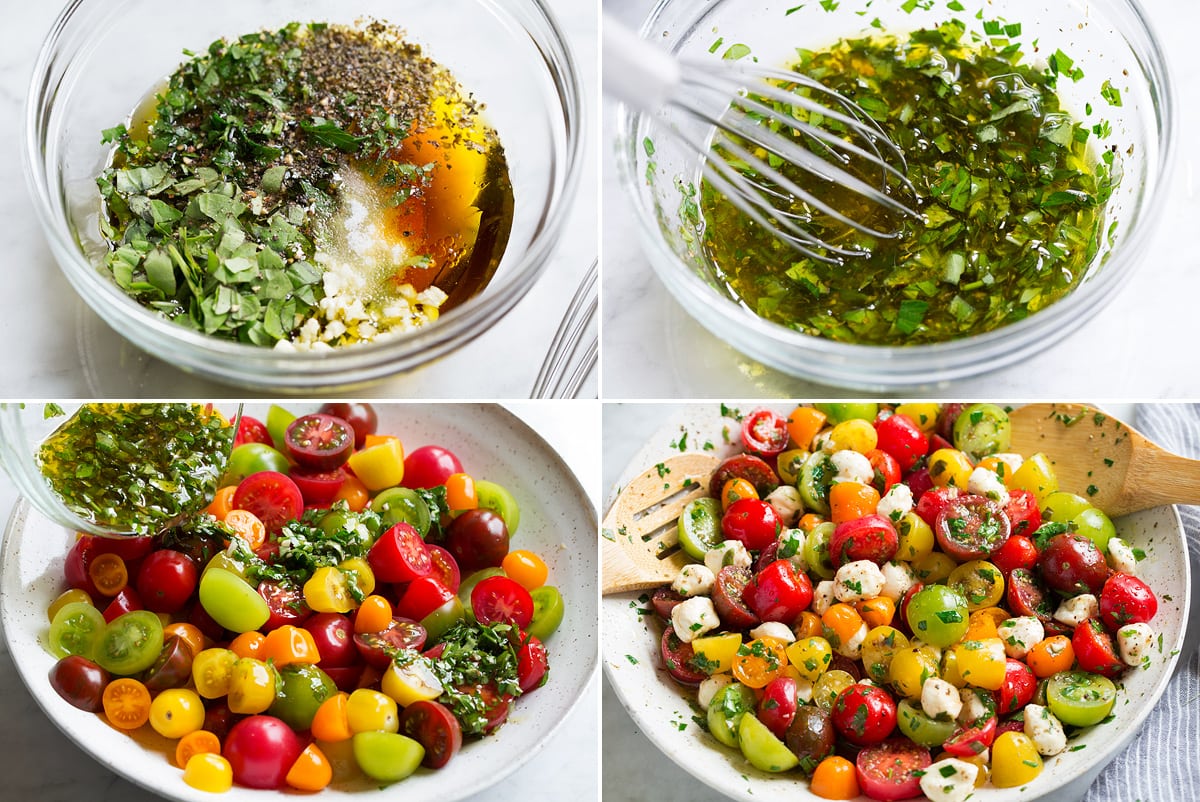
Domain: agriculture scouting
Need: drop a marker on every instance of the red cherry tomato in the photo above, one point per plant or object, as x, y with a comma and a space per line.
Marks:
496, 705
903, 439
270, 495
892, 770
1072, 564
1094, 650
727, 598
1026, 595
124, 602
319, 442
1017, 552
532, 664
79, 559
971, 527
778, 593
319, 488
399, 555
166, 581
933, 500
361, 417
872, 537
422, 596
500, 600
1018, 689
765, 432
887, 469
777, 708
752, 521
333, 634
429, 466
1023, 513
864, 714
1126, 599
919, 483
435, 728
946, 419
286, 603
973, 737
400, 634
252, 430
261, 750
445, 567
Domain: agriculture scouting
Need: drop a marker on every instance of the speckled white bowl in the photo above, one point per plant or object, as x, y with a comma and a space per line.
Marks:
660, 707
557, 520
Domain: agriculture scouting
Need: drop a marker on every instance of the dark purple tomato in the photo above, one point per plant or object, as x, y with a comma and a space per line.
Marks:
361, 417
80, 681
1071, 564
172, 669
477, 539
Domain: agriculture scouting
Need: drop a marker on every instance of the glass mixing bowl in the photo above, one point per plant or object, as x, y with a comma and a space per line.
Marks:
103, 56
1108, 39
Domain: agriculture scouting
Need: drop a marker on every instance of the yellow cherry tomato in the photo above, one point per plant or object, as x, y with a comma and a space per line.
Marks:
67, 597
251, 686
207, 771
881, 645
327, 591
981, 663
855, 434
176, 712
949, 668
410, 683
364, 577
983, 623
810, 657
916, 538
934, 568
979, 582
525, 568
923, 414
789, 463
379, 466
1036, 475
949, 466
212, 672
1015, 760
910, 667
370, 711
716, 652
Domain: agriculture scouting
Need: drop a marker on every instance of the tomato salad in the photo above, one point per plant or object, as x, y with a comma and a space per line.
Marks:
889, 601
340, 606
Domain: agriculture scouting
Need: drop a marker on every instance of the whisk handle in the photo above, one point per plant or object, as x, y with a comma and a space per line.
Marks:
636, 72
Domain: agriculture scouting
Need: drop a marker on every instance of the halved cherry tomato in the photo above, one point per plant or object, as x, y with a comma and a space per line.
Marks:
126, 703
270, 495
312, 771
777, 708
735, 489
871, 537
197, 742
318, 487
354, 493
765, 432
1126, 599
971, 527
973, 737
892, 769
727, 597
108, 574
1017, 552
778, 592
290, 644
759, 661
752, 521
500, 600
319, 441
1094, 650
1023, 513
864, 714
849, 501
399, 555
247, 526
445, 567
422, 596
330, 723
532, 664
285, 602
1018, 689
373, 615
803, 423
887, 470
745, 466
1050, 656
435, 728
248, 644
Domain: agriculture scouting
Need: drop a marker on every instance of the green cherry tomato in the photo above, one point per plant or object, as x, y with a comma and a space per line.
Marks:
921, 728
700, 527
816, 550
762, 748
231, 601
251, 458
443, 618
387, 757
726, 709
497, 499
76, 629
981, 430
547, 611
398, 504
1079, 698
789, 463
816, 477
938, 615
1062, 506
278, 419
301, 689
836, 413
131, 643
1095, 525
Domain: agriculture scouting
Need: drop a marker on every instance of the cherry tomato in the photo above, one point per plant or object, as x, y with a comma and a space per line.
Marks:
430, 466
252, 458
1017, 552
290, 644
172, 668
1050, 656
931, 502
532, 664
251, 430
759, 661
166, 580
973, 737
1094, 650
777, 708
864, 714
261, 750
778, 593
872, 537
1027, 595
318, 487
1125, 600
108, 574
892, 769
361, 417
1072, 564
887, 470
400, 634
1023, 513
765, 432
460, 492
399, 555
126, 703
80, 681
76, 567
744, 466
1018, 689
433, 726
499, 600
834, 778
333, 636
175, 712
445, 567
971, 527
285, 602
902, 439
727, 598
752, 521
125, 601
422, 597
272, 496
803, 424
478, 539
319, 441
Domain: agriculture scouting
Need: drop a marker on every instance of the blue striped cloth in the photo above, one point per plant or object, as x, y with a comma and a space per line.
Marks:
1162, 764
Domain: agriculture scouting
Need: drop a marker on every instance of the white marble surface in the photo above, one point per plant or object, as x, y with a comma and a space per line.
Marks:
67, 351
39, 764
1126, 352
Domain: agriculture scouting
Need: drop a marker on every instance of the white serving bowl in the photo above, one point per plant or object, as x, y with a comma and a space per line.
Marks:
658, 705
557, 521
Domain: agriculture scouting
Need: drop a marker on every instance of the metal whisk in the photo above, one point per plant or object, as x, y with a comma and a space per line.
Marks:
791, 117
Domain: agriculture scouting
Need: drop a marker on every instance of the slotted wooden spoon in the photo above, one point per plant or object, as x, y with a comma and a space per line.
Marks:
1103, 459
640, 533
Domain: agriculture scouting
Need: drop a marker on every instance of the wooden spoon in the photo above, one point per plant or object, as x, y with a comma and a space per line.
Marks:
640, 534
1104, 460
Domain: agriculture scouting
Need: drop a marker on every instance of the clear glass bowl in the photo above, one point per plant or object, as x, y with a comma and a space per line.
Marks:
23, 429
1108, 40
103, 56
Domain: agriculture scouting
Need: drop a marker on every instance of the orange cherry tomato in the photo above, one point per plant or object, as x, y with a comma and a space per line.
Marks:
803, 425
354, 493
290, 644
808, 625
849, 501
331, 723
525, 568
835, 778
1050, 656
736, 489
108, 573
222, 502
188, 633
758, 662
982, 623
196, 742
126, 703
249, 644
460, 492
877, 612
312, 771
843, 621
374, 615
810, 521
376, 439
248, 527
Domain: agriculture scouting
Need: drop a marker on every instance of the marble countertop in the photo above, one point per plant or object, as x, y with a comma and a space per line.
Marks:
40, 764
1121, 353
67, 351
